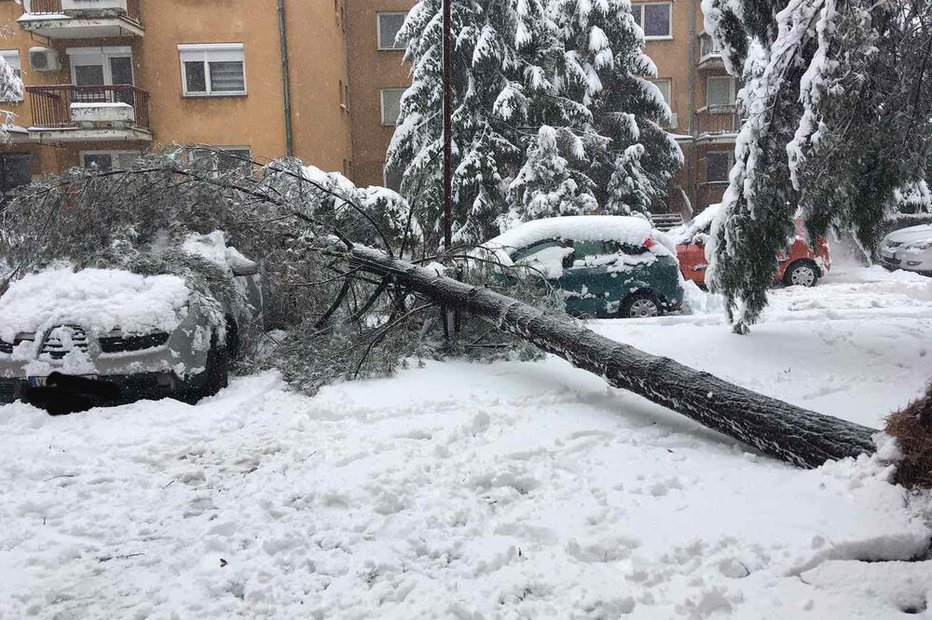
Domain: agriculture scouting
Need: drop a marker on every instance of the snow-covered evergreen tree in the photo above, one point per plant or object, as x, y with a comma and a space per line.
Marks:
504, 56
632, 159
546, 186
838, 108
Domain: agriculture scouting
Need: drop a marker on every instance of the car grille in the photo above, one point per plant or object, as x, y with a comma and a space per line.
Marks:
57, 345
121, 344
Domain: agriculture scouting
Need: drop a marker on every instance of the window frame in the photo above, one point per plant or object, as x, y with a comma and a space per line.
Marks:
639, 18
99, 57
17, 70
221, 52
382, 92
378, 31
729, 164
733, 87
110, 152
195, 155
669, 82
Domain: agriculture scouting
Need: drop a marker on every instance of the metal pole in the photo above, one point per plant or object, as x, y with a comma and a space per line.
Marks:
447, 127
286, 78
447, 113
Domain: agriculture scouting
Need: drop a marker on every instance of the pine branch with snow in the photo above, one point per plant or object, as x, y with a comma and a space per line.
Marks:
838, 103
546, 186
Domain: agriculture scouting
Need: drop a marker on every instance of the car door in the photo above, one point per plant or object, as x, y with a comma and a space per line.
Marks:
693, 263
588, 285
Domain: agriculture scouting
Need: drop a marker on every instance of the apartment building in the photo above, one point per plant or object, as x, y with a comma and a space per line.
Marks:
108, 79
691, 77
320, 79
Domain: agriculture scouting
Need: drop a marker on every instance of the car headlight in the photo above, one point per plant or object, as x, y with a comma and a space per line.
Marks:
920, 245
7, 347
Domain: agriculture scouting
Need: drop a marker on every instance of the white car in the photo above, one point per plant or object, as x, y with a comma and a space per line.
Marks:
70, 340
908, 248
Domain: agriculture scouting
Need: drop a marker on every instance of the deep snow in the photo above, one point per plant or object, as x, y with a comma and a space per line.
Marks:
486, 491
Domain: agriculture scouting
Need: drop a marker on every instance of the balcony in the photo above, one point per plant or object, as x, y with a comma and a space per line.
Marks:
718, 121
68, 113
82, 19
710, 54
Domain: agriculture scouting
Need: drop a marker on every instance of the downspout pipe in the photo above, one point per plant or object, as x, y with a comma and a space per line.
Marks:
286, 78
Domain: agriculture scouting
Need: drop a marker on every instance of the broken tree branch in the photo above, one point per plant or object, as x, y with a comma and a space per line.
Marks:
778, 429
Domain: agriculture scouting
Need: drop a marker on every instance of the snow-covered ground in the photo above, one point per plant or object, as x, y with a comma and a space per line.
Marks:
512, 490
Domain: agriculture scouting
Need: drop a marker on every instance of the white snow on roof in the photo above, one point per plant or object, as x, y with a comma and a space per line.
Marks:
99, 300
624, 229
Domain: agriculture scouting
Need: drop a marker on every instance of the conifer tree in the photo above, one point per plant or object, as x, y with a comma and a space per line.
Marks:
545, 186
838, 103
503, 58
631, 158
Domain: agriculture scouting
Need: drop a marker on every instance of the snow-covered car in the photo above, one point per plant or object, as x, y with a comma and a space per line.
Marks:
908, 248
799, 264
602, 265
101, 336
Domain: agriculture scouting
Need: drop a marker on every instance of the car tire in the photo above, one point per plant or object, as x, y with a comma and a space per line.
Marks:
641, 304
218, 371
801, 273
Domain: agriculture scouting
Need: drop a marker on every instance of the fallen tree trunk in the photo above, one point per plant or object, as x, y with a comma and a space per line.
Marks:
799, 436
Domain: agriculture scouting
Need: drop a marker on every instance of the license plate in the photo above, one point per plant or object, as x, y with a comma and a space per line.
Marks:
42, 381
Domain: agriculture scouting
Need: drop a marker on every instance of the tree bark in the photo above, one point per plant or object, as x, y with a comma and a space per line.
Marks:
799, 436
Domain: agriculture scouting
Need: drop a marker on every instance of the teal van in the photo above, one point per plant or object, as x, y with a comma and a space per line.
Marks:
602, 265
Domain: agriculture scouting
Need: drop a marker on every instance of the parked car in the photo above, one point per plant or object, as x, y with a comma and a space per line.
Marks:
77, 339
908, 248
602, 265
798, 265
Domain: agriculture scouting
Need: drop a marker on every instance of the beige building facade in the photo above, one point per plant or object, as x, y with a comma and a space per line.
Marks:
107, 79
319, 79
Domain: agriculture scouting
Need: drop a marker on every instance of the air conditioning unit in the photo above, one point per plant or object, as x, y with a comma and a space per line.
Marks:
44, 59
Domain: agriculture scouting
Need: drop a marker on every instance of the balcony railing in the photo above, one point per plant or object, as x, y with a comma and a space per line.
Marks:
129, 7
716, 119
52, 105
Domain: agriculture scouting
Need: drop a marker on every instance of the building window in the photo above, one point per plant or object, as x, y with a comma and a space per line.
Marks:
655, 19
717, 166
391, 178
105, 161
388, 26
213, 70
664, 86
391, 105
14, 170
720, 91
222, 158
12, 59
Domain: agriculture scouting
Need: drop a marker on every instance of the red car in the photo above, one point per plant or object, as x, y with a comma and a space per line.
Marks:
799, 265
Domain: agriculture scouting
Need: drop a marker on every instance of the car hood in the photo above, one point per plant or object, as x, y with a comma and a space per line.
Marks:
98, 300
912, 233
